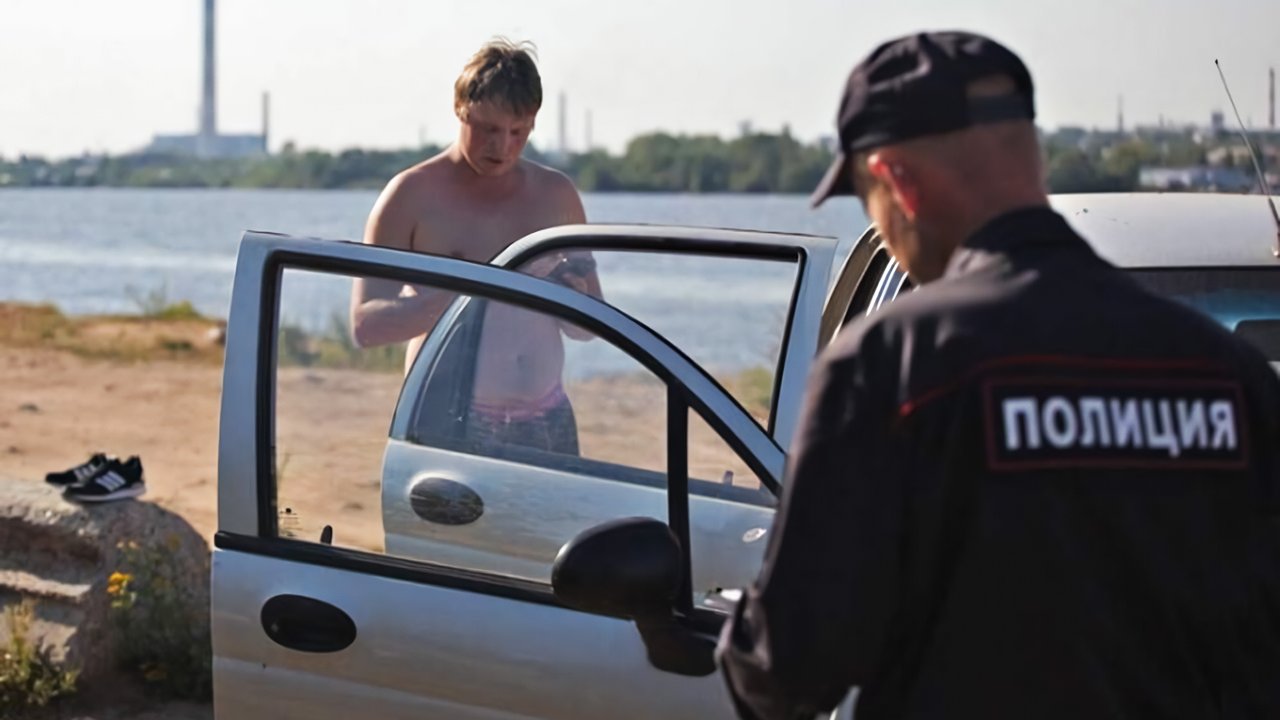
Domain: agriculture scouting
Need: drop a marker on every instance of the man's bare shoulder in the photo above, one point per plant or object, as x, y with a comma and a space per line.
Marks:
426, 176
399, 210
555, 192
546, 179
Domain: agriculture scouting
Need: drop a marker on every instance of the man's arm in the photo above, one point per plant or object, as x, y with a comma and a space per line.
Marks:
816, 620
381, 312
571, 212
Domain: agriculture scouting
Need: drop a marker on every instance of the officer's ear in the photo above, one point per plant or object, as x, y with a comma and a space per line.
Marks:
890, 170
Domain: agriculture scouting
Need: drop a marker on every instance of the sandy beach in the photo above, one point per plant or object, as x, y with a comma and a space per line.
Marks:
152, 388
56, 408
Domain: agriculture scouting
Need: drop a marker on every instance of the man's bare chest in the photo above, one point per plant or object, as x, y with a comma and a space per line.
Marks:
476, 234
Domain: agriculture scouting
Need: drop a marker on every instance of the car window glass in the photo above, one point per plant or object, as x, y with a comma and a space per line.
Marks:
511, 443
333, 404
728, 314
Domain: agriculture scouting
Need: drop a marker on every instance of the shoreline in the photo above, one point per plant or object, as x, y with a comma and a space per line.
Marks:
745, 194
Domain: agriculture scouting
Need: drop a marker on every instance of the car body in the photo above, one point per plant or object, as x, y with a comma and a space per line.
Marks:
504, 584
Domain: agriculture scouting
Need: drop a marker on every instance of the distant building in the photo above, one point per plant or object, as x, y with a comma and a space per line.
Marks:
219, 146
1217, 179
1069, 135
1240, 156
207, 142
1101, 140
1217, 123
1165, 132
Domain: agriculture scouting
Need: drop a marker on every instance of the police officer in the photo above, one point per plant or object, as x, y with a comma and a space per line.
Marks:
1029, 488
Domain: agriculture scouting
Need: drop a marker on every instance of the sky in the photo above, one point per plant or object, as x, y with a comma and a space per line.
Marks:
105, 75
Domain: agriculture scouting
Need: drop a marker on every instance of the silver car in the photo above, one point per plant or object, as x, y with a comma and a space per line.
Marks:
390, 546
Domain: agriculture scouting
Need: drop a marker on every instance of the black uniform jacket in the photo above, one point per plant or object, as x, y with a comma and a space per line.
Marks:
1030, 489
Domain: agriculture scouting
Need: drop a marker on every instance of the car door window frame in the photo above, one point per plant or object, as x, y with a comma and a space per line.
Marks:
892, 281
691, 246
850, 293
256, 301
640, 238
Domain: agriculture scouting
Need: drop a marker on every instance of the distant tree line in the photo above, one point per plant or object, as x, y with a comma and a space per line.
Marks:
289, 168
655, 162
659, 162
1074, 167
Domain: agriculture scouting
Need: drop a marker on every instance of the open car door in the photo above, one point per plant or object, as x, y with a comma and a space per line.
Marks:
317, 613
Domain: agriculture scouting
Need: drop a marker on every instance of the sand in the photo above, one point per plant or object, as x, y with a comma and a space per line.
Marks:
56, 408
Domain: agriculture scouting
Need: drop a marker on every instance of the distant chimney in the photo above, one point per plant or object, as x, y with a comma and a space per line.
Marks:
266, 123
564, 124
1272, 98
208, 97
587, 132
1120, 114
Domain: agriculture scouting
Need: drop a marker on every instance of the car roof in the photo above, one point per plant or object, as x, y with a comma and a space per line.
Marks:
1137, 230
688, 232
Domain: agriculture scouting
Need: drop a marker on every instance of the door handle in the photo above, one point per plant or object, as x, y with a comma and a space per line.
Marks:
307, 625
445, 502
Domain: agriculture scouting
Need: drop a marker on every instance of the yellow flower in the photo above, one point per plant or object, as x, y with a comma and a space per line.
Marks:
117, 583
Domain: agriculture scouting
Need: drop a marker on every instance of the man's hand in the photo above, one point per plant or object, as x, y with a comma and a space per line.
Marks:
577, 282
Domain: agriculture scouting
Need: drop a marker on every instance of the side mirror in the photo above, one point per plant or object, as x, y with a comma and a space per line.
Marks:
632, 568
629, 568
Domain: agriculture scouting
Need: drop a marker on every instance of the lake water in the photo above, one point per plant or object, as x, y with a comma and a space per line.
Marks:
102, 250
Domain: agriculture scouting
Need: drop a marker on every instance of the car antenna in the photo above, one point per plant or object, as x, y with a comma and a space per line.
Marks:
1257, 166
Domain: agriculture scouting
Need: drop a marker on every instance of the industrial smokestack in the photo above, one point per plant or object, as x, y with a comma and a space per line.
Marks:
588, 145
208, 96
266, 123
564, 124
1272, 98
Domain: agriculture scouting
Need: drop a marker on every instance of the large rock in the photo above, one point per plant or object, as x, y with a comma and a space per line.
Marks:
58, 555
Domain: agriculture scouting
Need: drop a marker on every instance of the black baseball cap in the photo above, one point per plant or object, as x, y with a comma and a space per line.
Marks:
917, 85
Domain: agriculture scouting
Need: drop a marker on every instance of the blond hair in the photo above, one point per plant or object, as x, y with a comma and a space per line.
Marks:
503, 72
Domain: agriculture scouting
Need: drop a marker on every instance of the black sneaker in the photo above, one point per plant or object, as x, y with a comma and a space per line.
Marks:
79, 473
115, 481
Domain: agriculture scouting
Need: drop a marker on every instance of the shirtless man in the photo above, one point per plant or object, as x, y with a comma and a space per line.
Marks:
472, 201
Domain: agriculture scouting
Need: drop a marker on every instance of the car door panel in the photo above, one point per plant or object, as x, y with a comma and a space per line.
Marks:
428, 652
529, 513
